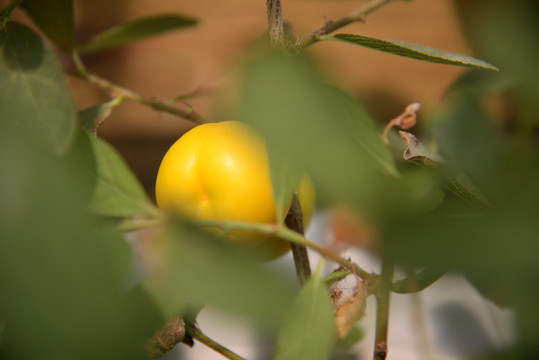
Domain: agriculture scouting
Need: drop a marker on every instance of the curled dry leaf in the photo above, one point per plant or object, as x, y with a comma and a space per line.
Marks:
404, 121
166, 338
417, 152
349, 310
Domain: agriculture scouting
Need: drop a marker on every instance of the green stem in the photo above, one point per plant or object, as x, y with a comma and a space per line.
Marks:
292, 236
110, 87
357, 15
192, 330
382, 294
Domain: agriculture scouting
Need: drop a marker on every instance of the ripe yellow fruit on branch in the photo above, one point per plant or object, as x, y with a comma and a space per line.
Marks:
220, 171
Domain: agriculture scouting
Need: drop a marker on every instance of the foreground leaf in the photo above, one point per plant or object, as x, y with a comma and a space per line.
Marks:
59, 268
414, 51
55, 19
310, 127
135, 30
200, 268
309, 331
35, 94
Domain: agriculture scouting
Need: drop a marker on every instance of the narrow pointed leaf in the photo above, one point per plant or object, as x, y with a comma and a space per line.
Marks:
55, 19
136, 30
414, 51
34, 91
309, 332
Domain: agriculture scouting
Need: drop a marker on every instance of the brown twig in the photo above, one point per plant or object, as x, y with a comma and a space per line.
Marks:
357, 15
294, 221
109, 87
275, 22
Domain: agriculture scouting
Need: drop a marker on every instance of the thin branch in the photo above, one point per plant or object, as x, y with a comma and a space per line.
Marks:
294, 221
109, 87
292, 236
192, 330
382, 294
275, 22
357, 15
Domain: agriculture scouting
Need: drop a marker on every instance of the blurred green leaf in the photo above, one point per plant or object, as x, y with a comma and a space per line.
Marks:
414, 51
496, 248
198, 267
507, 32
469, 142
285, 179
316, 128
35, 94
55, 19
91, 117
458, 183
117, 191
135, 30
63, 278
309, 331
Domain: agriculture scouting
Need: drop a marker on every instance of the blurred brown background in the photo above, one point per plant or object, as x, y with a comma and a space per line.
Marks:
179, 62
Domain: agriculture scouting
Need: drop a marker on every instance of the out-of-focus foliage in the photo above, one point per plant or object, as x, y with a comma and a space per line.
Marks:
55, 19
63, 277
322, 131
309, 332
64, 272
35, 92
200, 268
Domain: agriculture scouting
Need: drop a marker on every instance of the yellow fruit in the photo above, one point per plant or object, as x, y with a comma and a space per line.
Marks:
220, 171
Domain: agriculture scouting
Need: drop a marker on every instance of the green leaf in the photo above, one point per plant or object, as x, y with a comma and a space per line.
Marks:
117, 191
285, 179
135, 30
59, 267
198, 267
35, 93
413, 51
55, 18
92, 117
309, 331
310, 127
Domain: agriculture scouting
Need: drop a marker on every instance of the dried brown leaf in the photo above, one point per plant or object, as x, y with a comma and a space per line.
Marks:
350, 310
